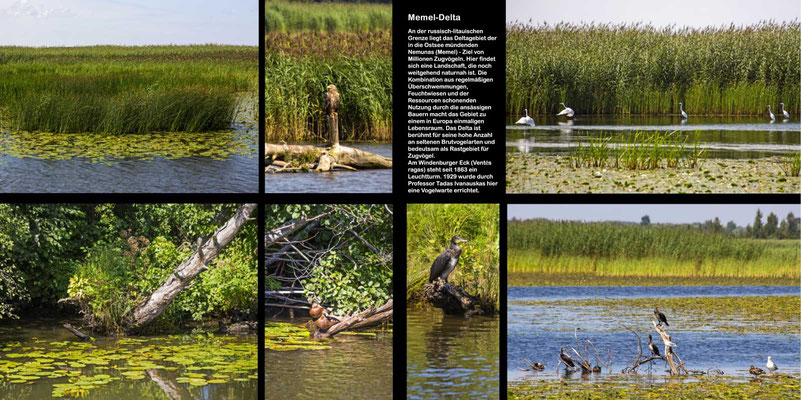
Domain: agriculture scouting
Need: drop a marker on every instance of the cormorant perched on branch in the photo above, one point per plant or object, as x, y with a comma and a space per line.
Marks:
652, 346
566, 358
445, 263
660, 316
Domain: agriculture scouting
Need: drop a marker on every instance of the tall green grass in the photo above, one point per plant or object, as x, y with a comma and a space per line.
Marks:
282, 16
124, 90
639, 151
635, 69
614, 249
430, 229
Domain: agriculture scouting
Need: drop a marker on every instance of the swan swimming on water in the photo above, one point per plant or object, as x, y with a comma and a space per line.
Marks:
683, 114
786, 114
568, 112
526, 120
772, 117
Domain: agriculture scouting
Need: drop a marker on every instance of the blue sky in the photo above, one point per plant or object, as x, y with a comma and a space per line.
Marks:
694, 13
128, 22
741, 214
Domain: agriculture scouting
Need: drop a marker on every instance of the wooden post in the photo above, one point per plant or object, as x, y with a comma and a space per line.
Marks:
333, 129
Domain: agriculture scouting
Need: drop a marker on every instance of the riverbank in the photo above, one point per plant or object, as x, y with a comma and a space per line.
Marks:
586, 279
534, 173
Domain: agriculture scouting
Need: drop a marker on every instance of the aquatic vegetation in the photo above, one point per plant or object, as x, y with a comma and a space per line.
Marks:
638, 152
281, 336
282, 16
610, 249
747, 314
125, 90
590, 279
684, 389
77, 368
641, 69
792, 164
431, 227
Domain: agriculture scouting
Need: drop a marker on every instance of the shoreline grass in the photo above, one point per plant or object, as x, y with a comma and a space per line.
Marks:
613, 249
125, 90
641, 69
641, 151
516, 279
284, 16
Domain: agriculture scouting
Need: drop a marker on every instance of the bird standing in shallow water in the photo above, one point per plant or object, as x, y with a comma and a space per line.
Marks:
660, 316
786, 114
446, 262
683, 114
771, 366
566, 358
652, 346
526, 120
755, 371
772, 117
568, 112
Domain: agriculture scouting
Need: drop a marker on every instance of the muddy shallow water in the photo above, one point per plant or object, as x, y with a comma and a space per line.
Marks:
39, 359
451, 357
367, 181
351, 367
537, 332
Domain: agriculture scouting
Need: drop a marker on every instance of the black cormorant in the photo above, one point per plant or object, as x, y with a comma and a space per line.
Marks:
652, 346
446, 262
660, 316
566, 358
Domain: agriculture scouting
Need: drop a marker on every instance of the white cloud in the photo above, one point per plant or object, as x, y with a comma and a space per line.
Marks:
28, 8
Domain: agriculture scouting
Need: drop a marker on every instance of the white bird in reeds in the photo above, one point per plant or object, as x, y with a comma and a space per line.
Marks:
771, 366
786, 114
568, 112
683, 114
772, 117
526, 120
669, 343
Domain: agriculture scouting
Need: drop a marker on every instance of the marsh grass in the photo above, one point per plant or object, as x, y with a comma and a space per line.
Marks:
284, 16
791, 166
430, 229
641, 69
614, 249
641, 151
123, 90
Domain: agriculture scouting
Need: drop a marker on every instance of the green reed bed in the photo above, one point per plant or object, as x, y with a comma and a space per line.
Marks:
791, 166
122, 90
299, 67
640, 151
430, 229
641, 69
613, 249
284, 16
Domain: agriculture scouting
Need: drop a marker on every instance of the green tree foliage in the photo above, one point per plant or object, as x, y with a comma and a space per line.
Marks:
430, 228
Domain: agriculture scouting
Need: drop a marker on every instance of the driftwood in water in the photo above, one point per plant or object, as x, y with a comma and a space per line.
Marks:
450, 298
365, 319
168, 385
582, 356
77, 333
279, 158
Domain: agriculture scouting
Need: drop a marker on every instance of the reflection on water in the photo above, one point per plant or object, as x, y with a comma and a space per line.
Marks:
451, 357
144, 367
537, 333
367, 181
725, 137
355, 367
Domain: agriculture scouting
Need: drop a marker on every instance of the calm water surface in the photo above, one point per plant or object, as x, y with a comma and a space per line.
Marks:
724, 137
538, 332
355, 367
367, 181
451, 357
162, 381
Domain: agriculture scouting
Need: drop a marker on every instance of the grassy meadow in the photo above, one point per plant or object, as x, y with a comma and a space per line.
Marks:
430, 228
636, 69
125, 90
608, 249
304, 54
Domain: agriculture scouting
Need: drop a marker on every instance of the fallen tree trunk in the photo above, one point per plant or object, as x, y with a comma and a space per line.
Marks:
152, 307
284, 158
451, 299
669, 352
171, 389
77, 333
365, 319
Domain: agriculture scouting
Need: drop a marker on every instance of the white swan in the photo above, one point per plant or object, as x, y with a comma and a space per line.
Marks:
568, 112
772, 117
786, 114
526, 120
683, 114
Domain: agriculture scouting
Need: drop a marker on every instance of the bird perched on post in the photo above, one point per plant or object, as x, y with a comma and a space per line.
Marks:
660, 316
652, 346
331, 100
445, 263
